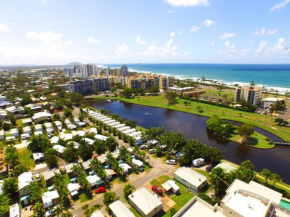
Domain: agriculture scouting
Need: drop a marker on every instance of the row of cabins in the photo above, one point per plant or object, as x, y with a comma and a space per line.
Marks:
137, 135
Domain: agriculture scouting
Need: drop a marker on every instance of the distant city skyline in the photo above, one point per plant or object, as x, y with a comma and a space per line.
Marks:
57, 32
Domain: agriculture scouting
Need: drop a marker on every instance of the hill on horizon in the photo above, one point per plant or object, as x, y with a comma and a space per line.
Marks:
74, 63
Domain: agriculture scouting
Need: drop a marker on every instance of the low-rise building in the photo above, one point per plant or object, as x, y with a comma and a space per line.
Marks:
97, 214
270, 101
38, 157
190, 178
200, 208
14, 132
179, 91
59, 149
23, 181
49, 174
15, 210
2, 135
101, 137
119, 209
50, 199
95, 181
145, 202
41, 116
58, 124
27, 130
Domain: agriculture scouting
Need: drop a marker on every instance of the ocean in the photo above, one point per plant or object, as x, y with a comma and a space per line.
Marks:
274, 77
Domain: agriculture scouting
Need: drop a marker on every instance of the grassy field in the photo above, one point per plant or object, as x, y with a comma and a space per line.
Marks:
262, 121
257, 140
25, 157
181, 199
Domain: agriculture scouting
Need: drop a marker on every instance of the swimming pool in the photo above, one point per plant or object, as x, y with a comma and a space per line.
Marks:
285, 204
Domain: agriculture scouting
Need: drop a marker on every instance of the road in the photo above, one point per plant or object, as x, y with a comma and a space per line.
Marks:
158, 168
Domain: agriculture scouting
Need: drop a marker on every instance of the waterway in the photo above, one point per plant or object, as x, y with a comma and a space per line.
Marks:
277, 160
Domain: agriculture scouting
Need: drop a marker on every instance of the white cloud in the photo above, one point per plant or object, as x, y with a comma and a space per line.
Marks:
227, 43
280, 5
12, 24
122, 49
208, 22
186, 3
195, 28
167, 50
172, 34
212, 43
227, 35
90, 40
249, 42
263, 32
262, 45
171, 11
281, 47
4, 28
44, 1
139, 40
68, 42
46, 37
186, 54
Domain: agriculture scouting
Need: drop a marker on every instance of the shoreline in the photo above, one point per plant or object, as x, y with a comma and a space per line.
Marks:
228, 83
268, 129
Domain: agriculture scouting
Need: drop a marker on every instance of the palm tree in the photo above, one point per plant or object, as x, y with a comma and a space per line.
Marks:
267, 174
11, 156
110, 197
67, 214
219, 180
275, 178
10, 186
128, 189
123, 152
38, 209
89, 210
5, 204
35, 192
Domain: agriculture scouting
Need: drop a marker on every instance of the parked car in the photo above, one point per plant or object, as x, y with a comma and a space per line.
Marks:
143, 147
141, 169
151, 151
157, 190
208, 169
171, 162
100, 190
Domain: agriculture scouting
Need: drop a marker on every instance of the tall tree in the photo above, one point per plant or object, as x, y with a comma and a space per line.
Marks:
110, 197
218, 179
267, 174
245, 130
275, 178
11, 156
10, 186
50, 157
128, 189
4, 204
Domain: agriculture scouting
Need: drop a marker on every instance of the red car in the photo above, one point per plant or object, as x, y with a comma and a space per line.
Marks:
157, 190
100, 190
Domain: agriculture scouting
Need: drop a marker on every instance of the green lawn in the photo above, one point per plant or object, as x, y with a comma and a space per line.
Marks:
202, 172
134, 211
257, 140
262, 121
180, 199
25, 157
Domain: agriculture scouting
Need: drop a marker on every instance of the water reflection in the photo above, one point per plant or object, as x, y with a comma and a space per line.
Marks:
194, 127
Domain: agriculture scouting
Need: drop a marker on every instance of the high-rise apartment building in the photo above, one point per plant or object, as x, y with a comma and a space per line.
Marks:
165, 82
118, 71
89, 85
124, 70
251, 94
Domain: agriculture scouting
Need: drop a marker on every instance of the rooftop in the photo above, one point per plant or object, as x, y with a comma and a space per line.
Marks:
24, 179
145, 200
200, 208
247, 205
190, 176
120, 210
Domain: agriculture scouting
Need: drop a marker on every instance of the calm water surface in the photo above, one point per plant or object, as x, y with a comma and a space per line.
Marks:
194, 127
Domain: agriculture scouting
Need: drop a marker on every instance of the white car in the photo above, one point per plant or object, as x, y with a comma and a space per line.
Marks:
151, 151
142, 147
171, 162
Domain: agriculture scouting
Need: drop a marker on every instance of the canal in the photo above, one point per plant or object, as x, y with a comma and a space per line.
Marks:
194, 127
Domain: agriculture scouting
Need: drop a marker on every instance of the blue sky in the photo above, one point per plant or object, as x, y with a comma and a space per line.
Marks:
144, 31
